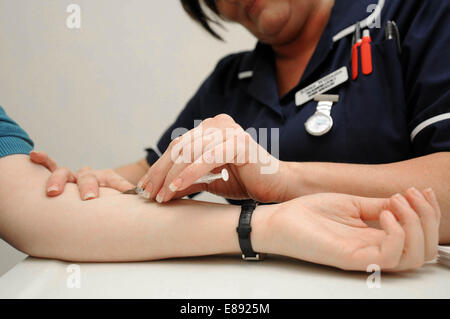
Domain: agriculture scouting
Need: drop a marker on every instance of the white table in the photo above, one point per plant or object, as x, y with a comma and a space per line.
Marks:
216, 277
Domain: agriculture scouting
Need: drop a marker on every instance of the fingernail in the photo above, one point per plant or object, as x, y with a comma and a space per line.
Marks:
432, 194
89, 196
53, 188
144, 194
149, 188
416, 192
175, 185
401, 199
160, 197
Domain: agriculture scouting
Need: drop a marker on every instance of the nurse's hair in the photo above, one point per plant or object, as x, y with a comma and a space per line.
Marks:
196, 11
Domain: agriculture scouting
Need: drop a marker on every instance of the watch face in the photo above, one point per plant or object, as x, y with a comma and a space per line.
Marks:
319, 124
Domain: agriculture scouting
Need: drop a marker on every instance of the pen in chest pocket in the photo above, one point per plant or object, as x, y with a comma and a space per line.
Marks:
364, 45
366, 53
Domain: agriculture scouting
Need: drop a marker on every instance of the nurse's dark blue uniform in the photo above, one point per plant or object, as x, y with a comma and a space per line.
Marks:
400, 111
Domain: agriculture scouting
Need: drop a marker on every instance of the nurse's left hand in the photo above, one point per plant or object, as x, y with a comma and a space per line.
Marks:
216, 144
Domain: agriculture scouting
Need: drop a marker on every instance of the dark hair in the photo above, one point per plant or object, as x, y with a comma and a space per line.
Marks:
196, 12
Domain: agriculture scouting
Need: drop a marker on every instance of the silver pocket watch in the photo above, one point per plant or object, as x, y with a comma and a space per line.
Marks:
321, 122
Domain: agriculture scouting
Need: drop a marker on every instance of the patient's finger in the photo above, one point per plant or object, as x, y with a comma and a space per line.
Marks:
43, 159
414, 250
371, 208
391, 248
431, 198
428, 220
88, 184
57, 181
386, 253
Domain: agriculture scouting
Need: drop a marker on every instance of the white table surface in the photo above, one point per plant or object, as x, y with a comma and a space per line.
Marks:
216, 277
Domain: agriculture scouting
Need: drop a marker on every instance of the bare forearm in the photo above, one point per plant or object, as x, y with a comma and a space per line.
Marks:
375, 180
114, 227
133, 172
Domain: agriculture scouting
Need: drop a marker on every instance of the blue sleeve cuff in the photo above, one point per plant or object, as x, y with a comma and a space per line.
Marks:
10, 145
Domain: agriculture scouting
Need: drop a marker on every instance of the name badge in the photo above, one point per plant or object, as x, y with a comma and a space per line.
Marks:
321, 86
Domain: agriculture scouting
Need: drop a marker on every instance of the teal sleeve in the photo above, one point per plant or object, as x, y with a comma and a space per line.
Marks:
13, 139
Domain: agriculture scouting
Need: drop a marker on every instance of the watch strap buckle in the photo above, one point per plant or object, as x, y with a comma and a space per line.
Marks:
257, 257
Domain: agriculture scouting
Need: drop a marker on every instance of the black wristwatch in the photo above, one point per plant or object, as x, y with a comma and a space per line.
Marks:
244, 229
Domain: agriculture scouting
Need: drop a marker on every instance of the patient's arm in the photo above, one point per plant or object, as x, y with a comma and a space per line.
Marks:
322, 228
115, 227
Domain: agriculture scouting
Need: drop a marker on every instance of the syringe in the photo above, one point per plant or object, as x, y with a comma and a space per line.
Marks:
207, 179
210, 177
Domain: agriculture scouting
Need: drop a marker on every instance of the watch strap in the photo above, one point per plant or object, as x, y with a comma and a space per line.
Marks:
244, 230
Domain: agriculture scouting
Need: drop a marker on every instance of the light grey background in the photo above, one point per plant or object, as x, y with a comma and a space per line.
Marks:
99, 95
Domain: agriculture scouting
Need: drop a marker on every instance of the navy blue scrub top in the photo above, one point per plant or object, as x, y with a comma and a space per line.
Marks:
400, 111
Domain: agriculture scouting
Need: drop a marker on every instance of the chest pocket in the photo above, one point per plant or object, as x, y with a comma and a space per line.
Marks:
375, 109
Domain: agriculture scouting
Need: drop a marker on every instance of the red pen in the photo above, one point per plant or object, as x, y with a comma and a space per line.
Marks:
366, 53
356, 44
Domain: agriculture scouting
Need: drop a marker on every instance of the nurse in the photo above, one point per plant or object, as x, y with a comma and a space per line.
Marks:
390, 124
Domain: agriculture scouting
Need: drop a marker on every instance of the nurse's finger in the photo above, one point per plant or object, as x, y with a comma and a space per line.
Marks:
182, 152
115, 181
212, 159
170, 185
88, 184
185, 144
58, 180
151, 182
428, 220
414, 249
236, 145
196, 188
43, 159
186, 179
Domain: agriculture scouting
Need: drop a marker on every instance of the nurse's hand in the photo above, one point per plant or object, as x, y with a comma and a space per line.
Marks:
330, 229
216, 144
89, 181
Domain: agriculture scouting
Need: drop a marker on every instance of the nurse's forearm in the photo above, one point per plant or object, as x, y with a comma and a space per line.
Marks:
114, 227
374, 180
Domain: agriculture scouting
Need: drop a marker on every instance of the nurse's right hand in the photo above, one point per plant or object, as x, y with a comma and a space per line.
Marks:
89, 180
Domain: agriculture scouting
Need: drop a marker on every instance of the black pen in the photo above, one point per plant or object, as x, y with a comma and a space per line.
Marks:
392, 32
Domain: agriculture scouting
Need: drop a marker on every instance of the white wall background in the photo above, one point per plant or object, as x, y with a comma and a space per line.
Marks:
99, 95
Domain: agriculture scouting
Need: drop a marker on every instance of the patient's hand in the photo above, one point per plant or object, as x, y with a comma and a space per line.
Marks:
89, 180
330, 229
